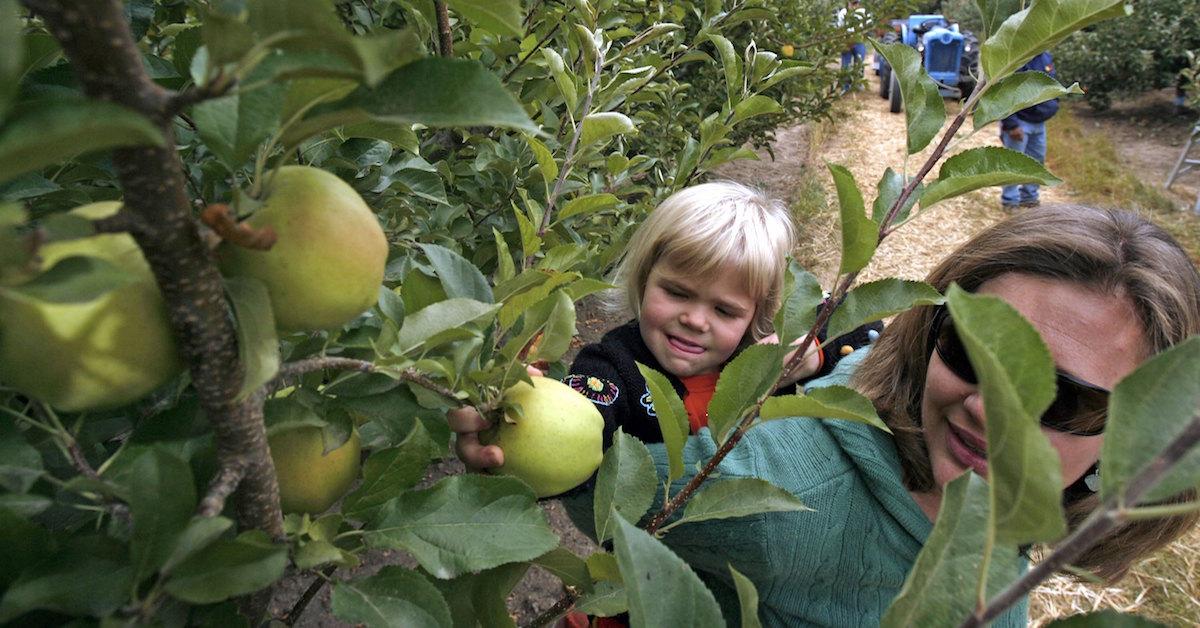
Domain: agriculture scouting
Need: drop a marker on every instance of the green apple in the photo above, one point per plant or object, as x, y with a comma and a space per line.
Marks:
327, 264
557, 440
311, 479
102, 353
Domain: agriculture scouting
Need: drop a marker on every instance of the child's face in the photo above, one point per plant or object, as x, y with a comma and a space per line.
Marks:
694, 324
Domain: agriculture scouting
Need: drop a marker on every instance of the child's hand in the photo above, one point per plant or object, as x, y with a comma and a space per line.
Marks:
466, 422
810, 365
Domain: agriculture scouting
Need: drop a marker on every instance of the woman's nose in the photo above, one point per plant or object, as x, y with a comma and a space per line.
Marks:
974, 404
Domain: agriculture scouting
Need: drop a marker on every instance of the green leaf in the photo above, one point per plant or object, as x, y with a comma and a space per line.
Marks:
606, 600
44, 133
502, 17
738, 497
27, 505
625, 484
1149, 408
465, 523
439, 317
459, 277
479, 599
745, 380
20, 462
12, 62
879, 299
942, 587
802, 294
598, 127
198, 535
924, 110
258, 342
732, 65
860, 235
994, 12
233, 126
668, 592
982, 167
562, 78
559, 328
1014, 93
505, 267
394, 596
567, 567
386, 474
228, 568
22, 543
88, 576
747, 599
1016, 376
1107, 618
162, 497
75, 279
756, 105
890, 185
588, 204
672, 418
827, 402
545, 160
436, 92
227, 36
1039, 28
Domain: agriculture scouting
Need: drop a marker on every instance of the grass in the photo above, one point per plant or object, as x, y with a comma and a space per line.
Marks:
1089, 164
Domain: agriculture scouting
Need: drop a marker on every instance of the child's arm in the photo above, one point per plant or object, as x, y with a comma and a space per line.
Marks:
824, 354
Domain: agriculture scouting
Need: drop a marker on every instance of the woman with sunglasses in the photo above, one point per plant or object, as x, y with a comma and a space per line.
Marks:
1105, 289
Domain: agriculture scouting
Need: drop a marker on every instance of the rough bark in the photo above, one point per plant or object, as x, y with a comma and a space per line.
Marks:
96, 38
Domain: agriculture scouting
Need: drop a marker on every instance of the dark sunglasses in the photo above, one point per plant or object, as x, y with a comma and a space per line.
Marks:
1078, 408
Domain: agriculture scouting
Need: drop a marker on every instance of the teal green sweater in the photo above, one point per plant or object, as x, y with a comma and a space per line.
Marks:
838, 565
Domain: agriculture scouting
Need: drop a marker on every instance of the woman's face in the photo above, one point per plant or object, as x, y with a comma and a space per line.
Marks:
1093, 336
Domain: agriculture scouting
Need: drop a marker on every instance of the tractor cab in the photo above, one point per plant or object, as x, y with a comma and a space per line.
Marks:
947, 54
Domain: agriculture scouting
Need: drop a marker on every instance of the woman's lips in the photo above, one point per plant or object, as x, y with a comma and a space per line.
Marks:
968, 449
684, 346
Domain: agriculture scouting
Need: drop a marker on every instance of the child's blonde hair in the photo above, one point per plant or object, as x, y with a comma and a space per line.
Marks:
716, 227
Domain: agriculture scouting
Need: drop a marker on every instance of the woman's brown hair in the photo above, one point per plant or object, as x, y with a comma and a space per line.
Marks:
1114, 252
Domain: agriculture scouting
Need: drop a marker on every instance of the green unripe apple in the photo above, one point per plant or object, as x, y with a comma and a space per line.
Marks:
556, 443
311, 480
102, 353
327, 264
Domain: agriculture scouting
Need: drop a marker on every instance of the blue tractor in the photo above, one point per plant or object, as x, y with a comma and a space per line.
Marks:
949, 56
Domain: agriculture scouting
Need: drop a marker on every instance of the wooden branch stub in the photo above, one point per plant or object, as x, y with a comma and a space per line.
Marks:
219, 218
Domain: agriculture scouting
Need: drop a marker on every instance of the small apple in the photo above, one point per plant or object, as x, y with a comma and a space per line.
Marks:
327, 264
556, 443
102, 353
311, 480
787, 50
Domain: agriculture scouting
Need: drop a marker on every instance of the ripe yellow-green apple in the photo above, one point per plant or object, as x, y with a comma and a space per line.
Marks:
91, 355
557, 441
327, 263
788, 50
311, 480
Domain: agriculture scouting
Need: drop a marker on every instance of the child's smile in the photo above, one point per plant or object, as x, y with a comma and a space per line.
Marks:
693, 325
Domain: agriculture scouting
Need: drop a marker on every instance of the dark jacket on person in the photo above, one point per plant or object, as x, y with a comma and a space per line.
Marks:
1042, 111
606, 372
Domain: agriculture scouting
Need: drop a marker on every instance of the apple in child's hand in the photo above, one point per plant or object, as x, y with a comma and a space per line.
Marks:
554, 443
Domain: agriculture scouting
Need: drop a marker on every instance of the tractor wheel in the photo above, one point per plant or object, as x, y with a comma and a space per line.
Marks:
895, 104
885, 79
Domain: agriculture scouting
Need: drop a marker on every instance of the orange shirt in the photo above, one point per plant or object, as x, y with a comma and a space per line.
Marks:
700, 389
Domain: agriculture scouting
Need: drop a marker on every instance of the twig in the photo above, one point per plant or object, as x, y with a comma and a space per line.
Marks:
1094, 528
445, 38
219, 218
564, 604
223, 485
184, 98
536, 48
121, 222
291, 371
313, 589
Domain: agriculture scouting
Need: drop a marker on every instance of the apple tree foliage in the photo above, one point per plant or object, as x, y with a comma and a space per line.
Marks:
507, 149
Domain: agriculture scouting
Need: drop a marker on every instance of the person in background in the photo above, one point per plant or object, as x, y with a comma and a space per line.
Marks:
853, 18
1025, 132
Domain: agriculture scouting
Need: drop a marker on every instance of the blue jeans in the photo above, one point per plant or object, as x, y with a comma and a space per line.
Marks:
852, 55
1032, 144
